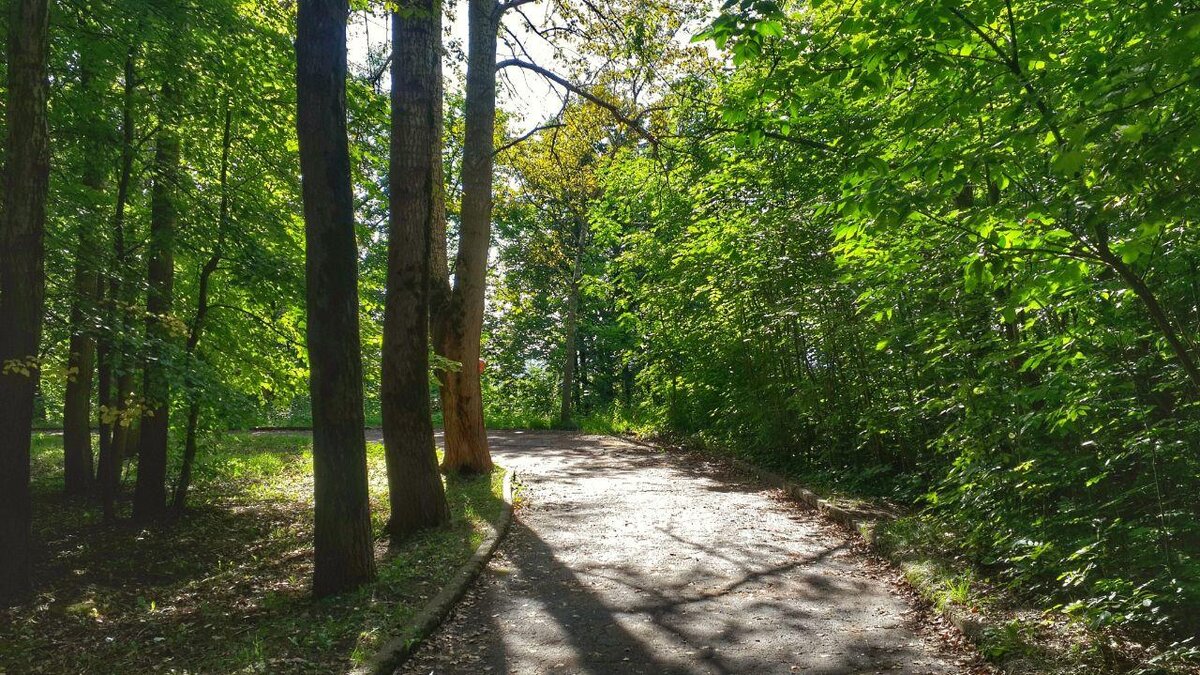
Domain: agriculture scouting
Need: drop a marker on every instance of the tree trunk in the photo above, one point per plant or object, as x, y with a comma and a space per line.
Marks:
179, 501
150, 493
462, 398
77, 402
1182, 350
22, 281
198, 323
567, 392
103, 390
116, 366
344, 550
415, 491
78, 465
439, 281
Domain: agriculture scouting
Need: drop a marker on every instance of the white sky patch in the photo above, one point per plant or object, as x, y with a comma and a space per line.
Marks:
527, 96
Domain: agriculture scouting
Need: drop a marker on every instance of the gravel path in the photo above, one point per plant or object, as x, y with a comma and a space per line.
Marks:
626, 560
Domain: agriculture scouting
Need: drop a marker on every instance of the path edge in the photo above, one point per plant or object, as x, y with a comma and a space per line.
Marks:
972, 625
395, 651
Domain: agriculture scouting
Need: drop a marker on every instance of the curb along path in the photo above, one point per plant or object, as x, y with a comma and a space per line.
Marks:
628, 560
396, 650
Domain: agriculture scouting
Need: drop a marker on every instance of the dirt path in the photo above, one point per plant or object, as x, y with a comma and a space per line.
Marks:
625, 560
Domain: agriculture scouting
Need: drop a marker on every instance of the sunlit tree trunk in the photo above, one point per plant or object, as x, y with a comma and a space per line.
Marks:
150, 492
344, 551
462, 398
22, 280
415, 491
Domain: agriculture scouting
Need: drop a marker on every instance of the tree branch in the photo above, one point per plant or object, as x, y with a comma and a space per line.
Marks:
513, 4
526, 136
570, 86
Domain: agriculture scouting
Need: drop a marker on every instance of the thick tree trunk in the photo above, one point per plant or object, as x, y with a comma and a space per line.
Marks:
150, 492
22, 281
179, 502
344, 550
415, 491
440, 291
115, 365
462, 398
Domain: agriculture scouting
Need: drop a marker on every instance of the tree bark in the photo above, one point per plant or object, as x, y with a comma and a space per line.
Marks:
22, 281
462, 397
150, 492
344, 551
415, 493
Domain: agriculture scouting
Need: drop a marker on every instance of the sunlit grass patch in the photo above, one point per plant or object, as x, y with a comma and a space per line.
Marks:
225, 589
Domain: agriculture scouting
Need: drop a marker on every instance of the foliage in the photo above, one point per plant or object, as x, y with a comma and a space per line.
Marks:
226, 588
941, 254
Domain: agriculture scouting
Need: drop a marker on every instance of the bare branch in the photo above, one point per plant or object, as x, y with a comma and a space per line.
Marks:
527, 135
570, 86
513, 4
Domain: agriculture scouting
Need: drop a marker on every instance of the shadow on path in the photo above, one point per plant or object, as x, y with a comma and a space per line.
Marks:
627, 560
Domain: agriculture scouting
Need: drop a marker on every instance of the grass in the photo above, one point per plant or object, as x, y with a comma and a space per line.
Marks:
225, 588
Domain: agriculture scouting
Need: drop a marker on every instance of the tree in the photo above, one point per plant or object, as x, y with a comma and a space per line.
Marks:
344, 554
460, 318
113, 363
415, 490
78, 463
200, 319
150, 493
22, 279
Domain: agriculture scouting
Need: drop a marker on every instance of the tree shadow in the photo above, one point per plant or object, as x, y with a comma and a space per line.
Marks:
531, 613
569, 595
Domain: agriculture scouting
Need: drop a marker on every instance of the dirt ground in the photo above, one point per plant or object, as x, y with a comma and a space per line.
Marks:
623, 559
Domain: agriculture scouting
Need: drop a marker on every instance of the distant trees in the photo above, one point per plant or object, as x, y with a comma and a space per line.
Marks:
78, 459
115, 368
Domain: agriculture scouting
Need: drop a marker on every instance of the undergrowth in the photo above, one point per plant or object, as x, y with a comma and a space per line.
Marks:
225, 588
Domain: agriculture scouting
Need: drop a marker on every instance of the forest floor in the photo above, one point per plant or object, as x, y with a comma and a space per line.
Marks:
225, 589
624, 559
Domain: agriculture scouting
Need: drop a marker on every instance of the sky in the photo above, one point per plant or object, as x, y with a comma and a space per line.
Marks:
527, 96
524, 94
